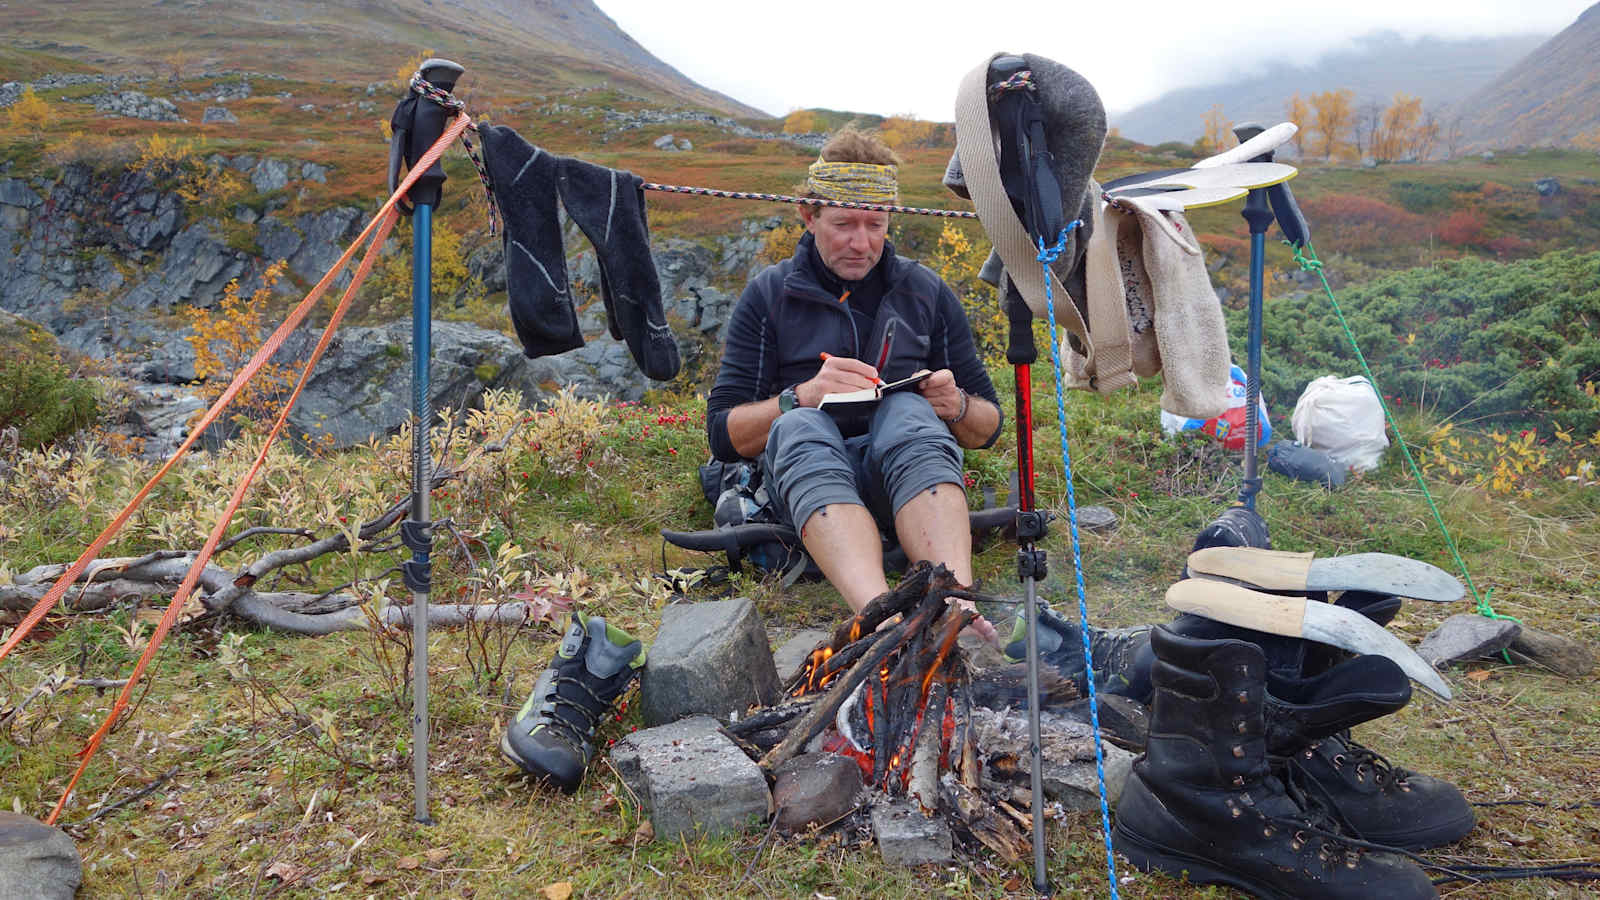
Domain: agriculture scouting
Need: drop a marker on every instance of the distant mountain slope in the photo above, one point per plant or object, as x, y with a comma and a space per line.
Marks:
1441, 72
1549, 98
508, 46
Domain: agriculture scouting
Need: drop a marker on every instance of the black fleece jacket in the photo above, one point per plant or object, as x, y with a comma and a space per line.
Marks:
786, 319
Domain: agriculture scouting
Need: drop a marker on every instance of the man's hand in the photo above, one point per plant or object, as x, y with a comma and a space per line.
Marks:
942, 394
839, 374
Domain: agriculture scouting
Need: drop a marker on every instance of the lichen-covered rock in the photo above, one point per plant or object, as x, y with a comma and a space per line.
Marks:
708, 658
37, 862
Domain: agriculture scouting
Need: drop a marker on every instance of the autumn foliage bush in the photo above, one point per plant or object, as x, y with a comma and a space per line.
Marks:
1353, 222
1463, 227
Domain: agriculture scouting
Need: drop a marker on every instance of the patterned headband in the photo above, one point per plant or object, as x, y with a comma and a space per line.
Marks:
853, 182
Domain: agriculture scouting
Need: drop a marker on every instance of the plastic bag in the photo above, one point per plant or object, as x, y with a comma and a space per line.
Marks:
1343, 418
1230, 426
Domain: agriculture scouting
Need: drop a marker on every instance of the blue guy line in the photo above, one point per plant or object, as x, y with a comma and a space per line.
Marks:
1046, 257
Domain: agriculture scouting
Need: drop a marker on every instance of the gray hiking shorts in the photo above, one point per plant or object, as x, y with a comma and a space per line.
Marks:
906, 450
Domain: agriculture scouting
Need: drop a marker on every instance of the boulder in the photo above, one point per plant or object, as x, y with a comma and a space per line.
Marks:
708, 658
692, 779
1548, 186
37, 862
1467, 636
362, 387
136, 105
816, 789
270, 175
1556, 652
665, 142
218, 115
1098, 519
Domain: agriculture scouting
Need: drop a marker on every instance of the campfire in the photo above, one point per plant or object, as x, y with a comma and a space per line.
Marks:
892, 690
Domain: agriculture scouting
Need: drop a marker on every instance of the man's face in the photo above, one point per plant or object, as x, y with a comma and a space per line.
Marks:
850, 241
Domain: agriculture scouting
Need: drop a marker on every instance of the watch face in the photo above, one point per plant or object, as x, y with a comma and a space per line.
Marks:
787, 400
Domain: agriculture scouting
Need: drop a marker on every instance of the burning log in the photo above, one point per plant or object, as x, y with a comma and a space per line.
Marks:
931, 605
896, 696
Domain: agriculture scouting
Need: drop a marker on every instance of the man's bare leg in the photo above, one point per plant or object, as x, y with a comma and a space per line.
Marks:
933, 526
843, 540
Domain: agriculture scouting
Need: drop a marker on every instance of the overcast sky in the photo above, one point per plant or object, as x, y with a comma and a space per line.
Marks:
907, 56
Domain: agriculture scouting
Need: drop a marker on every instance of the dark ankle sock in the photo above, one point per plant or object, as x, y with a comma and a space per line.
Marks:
524, 179
608, 206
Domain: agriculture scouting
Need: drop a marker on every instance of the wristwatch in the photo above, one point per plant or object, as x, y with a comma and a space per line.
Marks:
788, 399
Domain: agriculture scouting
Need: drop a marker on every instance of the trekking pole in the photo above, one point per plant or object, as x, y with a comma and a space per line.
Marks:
1032, 526
417, 125
1257, 213
1262, 207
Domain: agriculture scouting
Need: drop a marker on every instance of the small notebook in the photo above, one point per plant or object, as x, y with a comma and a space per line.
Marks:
851, 402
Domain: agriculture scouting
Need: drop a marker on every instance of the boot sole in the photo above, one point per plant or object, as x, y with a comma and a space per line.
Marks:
1147, 856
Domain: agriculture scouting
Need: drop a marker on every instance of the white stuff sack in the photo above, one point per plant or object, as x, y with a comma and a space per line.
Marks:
1343, 418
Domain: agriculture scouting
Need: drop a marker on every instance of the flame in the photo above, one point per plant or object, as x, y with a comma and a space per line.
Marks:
814, 678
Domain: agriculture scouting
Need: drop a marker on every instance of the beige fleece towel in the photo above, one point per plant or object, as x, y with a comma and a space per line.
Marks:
1189, 327
1111, 365
1137, 291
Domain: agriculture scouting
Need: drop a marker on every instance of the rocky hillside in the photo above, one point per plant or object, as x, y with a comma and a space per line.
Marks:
519, 45
1441, 72
1551, 98
107, 263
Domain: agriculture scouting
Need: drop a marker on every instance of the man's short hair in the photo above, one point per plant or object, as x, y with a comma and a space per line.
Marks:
850, 146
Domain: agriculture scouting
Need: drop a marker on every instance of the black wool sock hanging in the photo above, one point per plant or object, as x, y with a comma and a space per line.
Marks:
608, 206
524, 179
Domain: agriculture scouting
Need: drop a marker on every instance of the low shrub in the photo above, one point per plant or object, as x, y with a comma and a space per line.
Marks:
39, 395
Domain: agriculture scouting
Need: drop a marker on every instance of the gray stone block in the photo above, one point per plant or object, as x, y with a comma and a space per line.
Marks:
708, 658
908, 838
1467, 636
692, 779
816, 789
1098, 519
37, 862
794, 651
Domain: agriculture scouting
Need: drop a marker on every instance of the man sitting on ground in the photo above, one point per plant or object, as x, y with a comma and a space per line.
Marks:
839, 315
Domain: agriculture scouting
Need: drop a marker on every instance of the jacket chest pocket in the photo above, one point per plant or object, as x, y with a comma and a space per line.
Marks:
902, 348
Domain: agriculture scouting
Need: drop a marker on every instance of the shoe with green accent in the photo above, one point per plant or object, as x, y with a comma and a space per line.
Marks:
552, 736
1122, 656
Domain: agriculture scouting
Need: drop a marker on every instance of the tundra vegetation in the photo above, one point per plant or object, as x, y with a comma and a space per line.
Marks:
257, 762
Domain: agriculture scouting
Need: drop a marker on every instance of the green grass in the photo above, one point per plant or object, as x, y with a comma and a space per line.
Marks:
253, 748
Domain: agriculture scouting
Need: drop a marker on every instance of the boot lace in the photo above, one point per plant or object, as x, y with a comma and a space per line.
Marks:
1316, 818
1385, 773
574, 729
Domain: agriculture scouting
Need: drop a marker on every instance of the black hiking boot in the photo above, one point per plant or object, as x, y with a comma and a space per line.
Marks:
1378, 801
1373, 798
552, 736
1204, 804
1122, 656
1307, 683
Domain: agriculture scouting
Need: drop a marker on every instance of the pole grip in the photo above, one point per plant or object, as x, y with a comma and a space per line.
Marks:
417, 123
